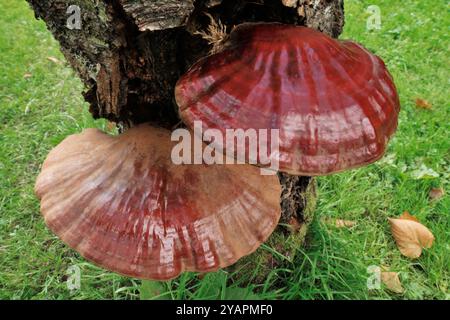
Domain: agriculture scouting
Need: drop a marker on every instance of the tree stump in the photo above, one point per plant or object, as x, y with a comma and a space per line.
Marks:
130, 53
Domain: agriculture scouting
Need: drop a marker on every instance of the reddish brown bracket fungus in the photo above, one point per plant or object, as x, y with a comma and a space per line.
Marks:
121, 203
334, 102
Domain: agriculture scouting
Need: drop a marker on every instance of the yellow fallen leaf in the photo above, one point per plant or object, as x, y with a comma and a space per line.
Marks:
340, 223
392, 281
436, 193
27, 75
422, 103
53, 59
411, 236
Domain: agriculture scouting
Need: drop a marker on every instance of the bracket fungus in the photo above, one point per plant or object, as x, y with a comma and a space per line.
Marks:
334, 102
122, 204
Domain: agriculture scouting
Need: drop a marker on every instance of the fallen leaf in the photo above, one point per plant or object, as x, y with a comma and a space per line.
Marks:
111, 126
436, 193
54, 60
407, 216
410, 235
392, 281
294, 225
290, 3
422, 103
340, 223
301, 11
27, 75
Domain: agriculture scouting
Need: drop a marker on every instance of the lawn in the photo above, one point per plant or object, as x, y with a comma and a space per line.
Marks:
41, 103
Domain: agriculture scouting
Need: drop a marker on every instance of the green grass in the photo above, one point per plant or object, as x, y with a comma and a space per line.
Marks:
38, 112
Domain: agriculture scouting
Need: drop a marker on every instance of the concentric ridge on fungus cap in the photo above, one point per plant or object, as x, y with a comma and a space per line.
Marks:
121, 203
334, 102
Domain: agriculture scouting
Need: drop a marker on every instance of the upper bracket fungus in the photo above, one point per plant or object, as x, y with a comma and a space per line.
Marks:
334, 102
123, 204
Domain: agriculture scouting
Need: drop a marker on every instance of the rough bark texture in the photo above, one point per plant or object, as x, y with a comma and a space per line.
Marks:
130, 53
158, 14
129, 72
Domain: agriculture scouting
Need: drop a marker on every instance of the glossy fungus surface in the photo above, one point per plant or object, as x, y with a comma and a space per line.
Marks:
334, 102
123, 204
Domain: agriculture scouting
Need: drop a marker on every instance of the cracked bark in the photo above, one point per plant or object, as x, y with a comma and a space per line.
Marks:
130, 53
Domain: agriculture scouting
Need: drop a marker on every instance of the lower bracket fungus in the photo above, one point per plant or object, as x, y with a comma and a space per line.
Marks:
122, 204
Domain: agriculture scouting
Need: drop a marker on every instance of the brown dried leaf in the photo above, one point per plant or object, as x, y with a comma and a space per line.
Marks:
111, 126
411, 236
436, 193
422, 103
407, 216
294, 225
392, 281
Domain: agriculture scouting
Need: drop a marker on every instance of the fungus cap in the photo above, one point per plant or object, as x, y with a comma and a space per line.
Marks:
122, 204
334, 102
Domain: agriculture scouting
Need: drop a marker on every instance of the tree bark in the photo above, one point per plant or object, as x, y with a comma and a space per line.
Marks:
130, 53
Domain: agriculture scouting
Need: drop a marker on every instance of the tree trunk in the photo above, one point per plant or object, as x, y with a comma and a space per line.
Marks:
130, 53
